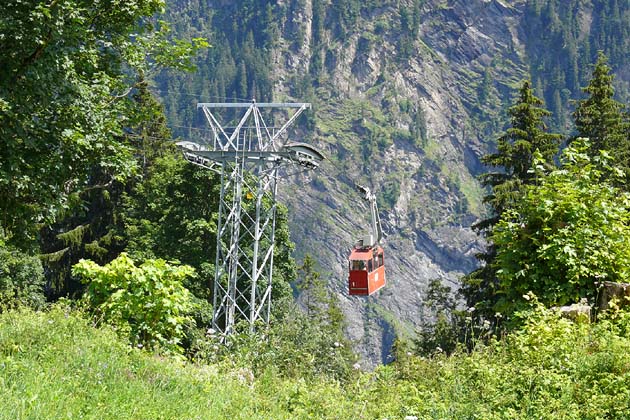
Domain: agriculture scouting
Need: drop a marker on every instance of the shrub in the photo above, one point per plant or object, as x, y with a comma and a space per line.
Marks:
21, 279
146, 302
565, 233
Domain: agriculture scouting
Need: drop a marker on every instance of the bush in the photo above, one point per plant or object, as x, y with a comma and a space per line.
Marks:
565, 233
148, 303
21, 279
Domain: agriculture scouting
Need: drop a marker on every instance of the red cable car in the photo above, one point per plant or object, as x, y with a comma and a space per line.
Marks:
366, 264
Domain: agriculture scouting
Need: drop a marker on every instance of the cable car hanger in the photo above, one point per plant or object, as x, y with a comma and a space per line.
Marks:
366, 263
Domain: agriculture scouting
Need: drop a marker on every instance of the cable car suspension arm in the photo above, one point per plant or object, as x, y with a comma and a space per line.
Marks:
377, 230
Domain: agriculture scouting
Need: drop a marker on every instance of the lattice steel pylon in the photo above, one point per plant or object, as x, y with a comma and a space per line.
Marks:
250, 158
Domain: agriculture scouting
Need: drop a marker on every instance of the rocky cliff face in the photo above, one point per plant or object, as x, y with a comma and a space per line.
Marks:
427, 172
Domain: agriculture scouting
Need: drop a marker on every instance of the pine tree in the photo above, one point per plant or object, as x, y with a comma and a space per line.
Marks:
515, 151
600, 118
513, 160
92, 229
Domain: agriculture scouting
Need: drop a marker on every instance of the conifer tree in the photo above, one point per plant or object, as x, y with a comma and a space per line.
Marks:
600, 117
515, 149
513, 159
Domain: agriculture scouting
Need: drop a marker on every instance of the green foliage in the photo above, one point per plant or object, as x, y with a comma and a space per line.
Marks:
55, 365
526, 136
309, 340
78, 61
390, 192
239, 67
172, 214
92, 228
409, 28
311, 288
305, 337
296, 345
565, 233
21, 278
561, 44
442, 333
147, 303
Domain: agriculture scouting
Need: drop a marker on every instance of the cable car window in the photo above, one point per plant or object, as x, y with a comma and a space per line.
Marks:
380, 259
370, 265
357, 265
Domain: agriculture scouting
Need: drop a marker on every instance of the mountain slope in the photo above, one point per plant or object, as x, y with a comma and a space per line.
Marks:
407, 96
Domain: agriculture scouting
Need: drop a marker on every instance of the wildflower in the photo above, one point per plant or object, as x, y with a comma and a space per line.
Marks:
471, 310
527, 297
356, 366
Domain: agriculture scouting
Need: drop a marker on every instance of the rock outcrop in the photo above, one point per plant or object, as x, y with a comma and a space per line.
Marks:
437, 198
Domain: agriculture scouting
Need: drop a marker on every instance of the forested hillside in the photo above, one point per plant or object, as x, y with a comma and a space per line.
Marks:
407, 97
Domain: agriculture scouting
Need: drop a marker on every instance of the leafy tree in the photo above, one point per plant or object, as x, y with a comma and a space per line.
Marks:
92, 228
565, 233
172, 213
599, 117
513, 159
148, 303
68, 67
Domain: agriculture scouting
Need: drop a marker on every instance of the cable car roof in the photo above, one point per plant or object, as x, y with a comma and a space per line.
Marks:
364, 253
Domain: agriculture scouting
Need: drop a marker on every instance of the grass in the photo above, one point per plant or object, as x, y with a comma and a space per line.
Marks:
55, 365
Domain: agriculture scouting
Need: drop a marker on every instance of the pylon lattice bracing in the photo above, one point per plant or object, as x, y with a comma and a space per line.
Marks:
250, 158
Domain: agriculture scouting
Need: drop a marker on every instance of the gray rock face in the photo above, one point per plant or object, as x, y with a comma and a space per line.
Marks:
435, 195
617, 294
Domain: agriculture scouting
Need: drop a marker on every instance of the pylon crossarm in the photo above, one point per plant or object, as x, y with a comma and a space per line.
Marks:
237, 130
257, 122
269, 137
246, 232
